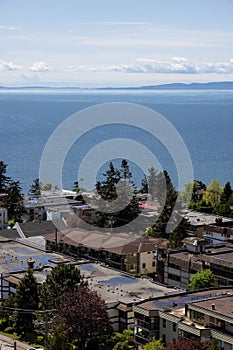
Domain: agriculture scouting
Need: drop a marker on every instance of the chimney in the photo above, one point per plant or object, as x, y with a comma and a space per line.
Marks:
213, 307
31, 263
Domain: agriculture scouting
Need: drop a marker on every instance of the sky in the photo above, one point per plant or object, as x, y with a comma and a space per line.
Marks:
94, 43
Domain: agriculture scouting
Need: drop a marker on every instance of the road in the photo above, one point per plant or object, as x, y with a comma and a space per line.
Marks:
8, 344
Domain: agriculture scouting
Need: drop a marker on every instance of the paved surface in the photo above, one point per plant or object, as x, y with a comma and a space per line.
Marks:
8, 344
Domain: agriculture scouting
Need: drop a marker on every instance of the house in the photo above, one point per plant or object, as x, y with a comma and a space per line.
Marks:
202, 314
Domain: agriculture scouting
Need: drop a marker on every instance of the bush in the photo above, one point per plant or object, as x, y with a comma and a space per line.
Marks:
9, 330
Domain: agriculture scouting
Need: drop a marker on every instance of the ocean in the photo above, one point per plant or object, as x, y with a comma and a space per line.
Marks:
203, 118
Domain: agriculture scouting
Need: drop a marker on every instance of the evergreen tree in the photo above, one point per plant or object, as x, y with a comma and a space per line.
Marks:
118, 190
25, 301
166, 194
63, 277
76, 187
4, 180
227, 192
152, 182
36, 187
14, 201
144, 185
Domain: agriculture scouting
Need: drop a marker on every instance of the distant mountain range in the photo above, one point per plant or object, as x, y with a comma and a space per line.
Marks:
224, 85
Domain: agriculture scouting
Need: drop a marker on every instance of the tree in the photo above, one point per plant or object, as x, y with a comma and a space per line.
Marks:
14, 201
47, 187
4, 180
187, 344
144, 185
118, 190
123, 341
58, 339
152, 182
193, 192
214, 345
213, 193
36, 187
84, 317
63, 277
76, 187
227, 192
202, 279
154, 344
166, 194
25, 300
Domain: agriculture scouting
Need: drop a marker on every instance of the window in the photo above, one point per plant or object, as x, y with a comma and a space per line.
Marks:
148, 252
153, 263
144, 265
132, 267
174, 327
164, 340
164, 323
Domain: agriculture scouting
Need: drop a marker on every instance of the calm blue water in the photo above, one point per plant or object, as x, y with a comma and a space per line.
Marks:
204, 119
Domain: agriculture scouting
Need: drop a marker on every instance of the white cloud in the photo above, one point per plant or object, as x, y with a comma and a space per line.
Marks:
178, 65
40, 67
6, 66
9, 28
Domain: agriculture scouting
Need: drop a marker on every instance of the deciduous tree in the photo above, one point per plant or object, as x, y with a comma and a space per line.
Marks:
84, 317
154, 344
213, 193
187, 344
124, 340
202, 279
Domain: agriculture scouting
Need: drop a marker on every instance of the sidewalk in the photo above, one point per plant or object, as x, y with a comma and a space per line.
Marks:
7, 343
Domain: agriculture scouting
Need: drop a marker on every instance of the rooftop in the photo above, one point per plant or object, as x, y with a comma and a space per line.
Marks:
14, 257
196, 218
176, 302
115, 286
222, 306
119, 243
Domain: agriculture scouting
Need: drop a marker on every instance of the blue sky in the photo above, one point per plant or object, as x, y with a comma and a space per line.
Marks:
115, 43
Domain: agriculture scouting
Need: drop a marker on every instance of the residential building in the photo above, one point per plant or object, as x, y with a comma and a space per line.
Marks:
218, 234
124, 251
202, 314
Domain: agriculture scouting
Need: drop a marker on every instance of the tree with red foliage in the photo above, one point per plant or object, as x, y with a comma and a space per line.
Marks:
187, 344
84, 317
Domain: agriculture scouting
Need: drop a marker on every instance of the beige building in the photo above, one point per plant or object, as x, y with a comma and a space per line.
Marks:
124, 251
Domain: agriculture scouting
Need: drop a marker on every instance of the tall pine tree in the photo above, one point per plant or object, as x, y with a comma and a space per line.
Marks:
25, 301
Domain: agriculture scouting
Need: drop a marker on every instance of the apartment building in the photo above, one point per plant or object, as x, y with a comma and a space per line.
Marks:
124, 251
203, 314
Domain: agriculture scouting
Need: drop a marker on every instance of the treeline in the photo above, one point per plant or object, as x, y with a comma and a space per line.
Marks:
214, 198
